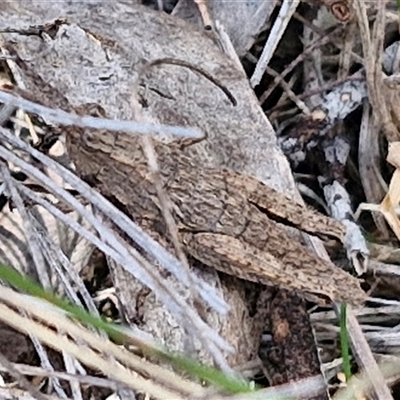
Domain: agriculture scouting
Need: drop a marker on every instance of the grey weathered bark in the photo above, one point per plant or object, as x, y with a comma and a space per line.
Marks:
106, 72
242, 20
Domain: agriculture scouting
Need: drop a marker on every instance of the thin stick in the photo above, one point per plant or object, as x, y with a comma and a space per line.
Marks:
69, 119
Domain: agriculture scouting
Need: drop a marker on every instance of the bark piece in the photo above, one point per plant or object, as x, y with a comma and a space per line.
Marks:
243, 21
289, 328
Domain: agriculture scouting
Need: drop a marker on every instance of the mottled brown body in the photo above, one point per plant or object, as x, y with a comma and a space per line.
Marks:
218, 213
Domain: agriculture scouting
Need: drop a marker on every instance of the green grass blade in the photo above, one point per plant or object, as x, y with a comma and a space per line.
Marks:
344, 341
190, 366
